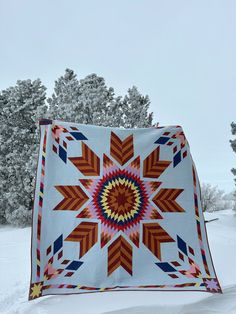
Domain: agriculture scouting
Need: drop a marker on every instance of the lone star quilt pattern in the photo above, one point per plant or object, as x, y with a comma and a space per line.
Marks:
117, 209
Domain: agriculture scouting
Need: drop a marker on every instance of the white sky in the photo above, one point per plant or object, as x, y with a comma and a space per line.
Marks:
181, 53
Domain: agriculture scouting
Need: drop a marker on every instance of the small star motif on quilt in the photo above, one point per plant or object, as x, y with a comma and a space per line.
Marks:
211, 284
36, 290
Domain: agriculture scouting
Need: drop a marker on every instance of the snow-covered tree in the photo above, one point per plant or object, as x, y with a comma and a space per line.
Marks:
23, 105
115, 113
233, 145
63, 105
90, 101
83, 101
3, 167
87, 101
135, 108
95, 98
211, 197
229, 200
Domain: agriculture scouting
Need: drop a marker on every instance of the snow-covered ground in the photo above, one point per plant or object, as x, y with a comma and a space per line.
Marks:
15, 275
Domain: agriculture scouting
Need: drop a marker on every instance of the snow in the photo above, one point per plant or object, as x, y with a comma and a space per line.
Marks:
15, 276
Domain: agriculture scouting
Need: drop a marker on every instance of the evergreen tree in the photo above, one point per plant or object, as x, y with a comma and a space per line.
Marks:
95, 99
115, 113
63, 105
211, 197
87, 101
135, 108
90, 101
23, 105
233, 145
3, 166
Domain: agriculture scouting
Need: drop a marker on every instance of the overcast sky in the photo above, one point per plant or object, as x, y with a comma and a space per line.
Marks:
181, 53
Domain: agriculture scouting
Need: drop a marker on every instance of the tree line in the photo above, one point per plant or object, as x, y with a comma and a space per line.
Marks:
87, 101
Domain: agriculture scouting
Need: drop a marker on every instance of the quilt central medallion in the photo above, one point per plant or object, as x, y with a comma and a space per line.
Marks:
120, 199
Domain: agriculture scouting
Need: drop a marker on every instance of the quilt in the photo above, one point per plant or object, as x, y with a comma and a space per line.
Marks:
117, 209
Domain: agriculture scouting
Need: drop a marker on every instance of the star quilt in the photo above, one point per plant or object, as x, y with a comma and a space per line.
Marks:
117, 209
